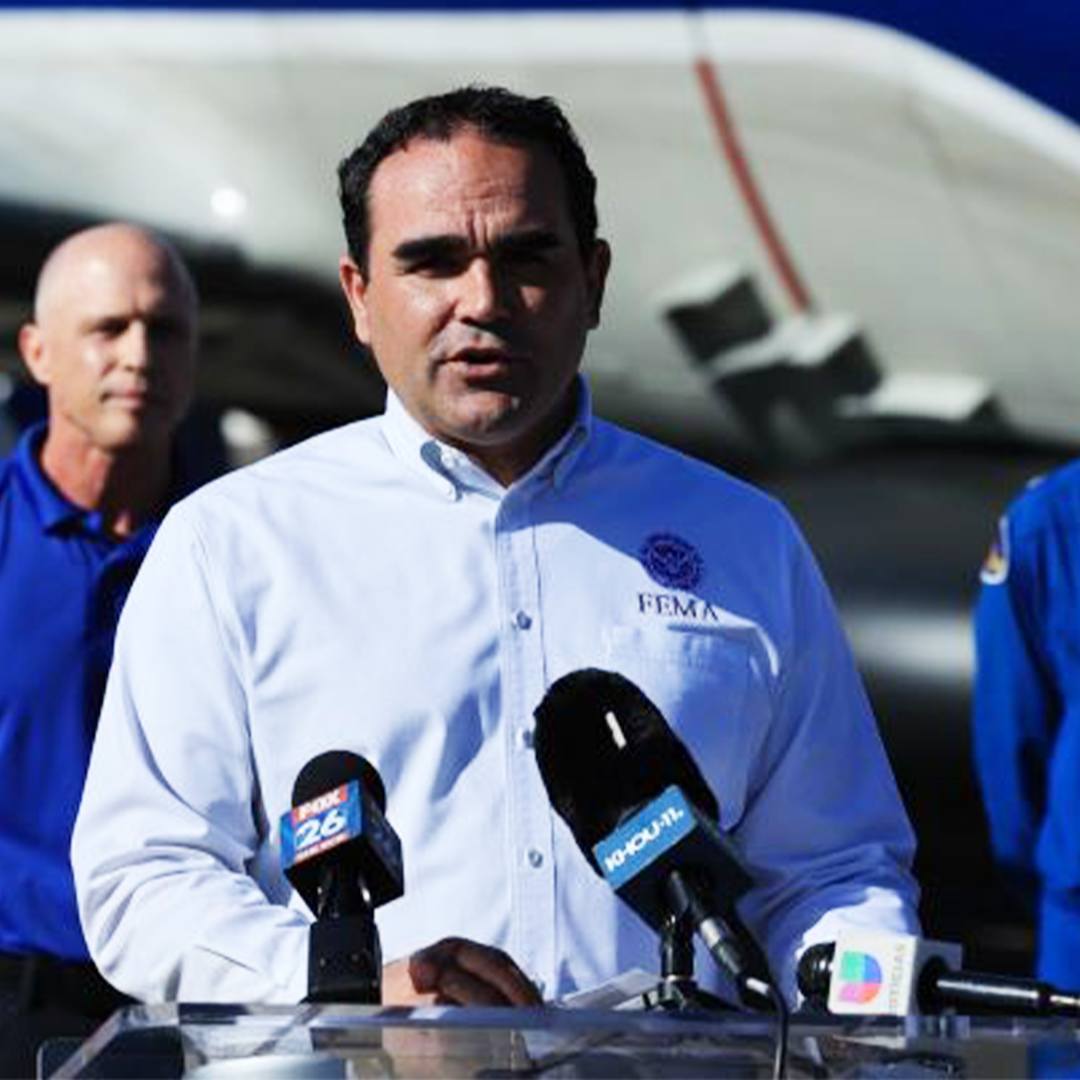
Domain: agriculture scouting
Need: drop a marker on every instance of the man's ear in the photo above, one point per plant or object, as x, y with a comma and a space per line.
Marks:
35, 355
354, 286
596, 273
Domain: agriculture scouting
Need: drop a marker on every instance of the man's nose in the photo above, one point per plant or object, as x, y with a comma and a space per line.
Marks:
483, 293
135, 346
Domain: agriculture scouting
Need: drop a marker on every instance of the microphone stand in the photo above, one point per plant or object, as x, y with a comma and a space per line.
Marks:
677, 990
344, 953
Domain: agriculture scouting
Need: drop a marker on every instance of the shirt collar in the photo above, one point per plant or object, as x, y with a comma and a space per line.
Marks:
52, 509
55, 511
452, 471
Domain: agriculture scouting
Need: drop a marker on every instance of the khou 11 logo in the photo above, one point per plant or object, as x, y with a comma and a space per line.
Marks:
644, 837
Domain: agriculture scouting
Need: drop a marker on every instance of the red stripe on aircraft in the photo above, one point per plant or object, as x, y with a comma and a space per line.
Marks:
751, 193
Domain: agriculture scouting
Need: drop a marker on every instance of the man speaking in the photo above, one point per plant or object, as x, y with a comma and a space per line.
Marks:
408, 587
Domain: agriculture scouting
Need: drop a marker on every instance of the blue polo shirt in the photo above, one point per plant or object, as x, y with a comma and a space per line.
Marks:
62, 584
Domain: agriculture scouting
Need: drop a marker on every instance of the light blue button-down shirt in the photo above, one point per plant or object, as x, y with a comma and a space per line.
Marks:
375, 591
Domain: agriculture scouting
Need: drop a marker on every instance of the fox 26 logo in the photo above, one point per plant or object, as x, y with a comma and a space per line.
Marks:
323, 827
322, 823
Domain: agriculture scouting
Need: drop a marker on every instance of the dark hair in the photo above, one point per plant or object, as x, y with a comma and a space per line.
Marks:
499, 115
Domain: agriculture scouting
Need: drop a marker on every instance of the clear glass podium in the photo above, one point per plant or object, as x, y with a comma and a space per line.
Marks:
208, 1042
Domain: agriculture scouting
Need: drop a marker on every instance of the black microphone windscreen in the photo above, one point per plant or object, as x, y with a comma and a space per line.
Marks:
813, 973
334, 768
604, 750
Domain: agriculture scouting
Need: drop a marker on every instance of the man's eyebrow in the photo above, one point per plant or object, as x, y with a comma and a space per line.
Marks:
534, 239
426, 247
97, 319
450, 245
154, 316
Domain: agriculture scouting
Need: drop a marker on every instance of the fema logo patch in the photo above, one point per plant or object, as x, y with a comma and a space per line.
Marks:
672, 562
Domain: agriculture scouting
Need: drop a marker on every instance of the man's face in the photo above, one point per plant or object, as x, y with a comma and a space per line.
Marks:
114, 344
477, 300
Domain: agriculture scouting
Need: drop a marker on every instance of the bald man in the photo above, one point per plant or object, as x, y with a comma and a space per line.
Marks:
112, 342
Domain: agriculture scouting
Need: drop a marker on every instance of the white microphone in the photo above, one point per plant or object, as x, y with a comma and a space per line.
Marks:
870, 972
879, 973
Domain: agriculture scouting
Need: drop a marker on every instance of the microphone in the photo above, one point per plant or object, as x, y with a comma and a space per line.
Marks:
877, 973
340, 853
644, 816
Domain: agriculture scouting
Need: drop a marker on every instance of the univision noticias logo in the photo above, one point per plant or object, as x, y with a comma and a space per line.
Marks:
860, 977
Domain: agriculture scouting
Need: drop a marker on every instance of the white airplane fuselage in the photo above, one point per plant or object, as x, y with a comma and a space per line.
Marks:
902, 195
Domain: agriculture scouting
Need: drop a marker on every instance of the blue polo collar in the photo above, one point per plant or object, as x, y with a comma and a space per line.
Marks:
53, 510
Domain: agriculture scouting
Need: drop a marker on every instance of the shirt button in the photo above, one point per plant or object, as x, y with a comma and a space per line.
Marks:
522, 620
526, 738
536, 858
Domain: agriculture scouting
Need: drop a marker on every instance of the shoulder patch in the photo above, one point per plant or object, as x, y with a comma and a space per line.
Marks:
995, 567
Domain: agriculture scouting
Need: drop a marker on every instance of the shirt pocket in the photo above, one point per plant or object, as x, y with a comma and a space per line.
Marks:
701, 682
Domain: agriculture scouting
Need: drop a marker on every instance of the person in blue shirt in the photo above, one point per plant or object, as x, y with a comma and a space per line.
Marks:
1026, 718
112, 342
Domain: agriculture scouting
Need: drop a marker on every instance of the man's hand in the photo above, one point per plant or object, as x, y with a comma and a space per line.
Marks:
456, 971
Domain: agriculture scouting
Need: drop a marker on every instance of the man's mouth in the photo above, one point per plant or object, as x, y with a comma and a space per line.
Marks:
480, 362
135, 398
481, 354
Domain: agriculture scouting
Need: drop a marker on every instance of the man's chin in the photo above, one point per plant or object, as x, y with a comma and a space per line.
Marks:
131, 436
487, 427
